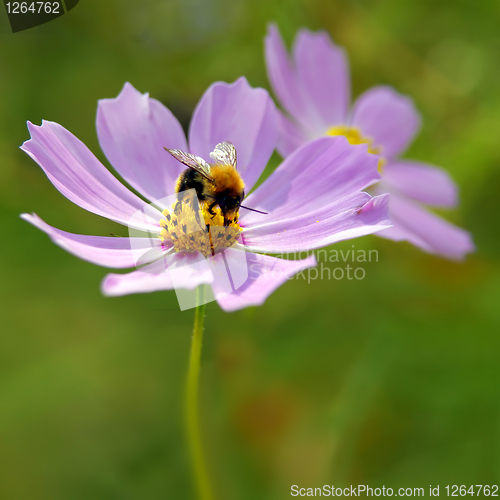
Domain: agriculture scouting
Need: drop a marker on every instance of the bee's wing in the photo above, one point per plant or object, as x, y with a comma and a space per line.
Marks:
224, 153
192, 161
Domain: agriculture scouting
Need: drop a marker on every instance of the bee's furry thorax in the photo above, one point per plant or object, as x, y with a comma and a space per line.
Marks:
227, 179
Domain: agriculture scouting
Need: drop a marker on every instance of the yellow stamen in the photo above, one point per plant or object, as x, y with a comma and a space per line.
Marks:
184, 227
353, 135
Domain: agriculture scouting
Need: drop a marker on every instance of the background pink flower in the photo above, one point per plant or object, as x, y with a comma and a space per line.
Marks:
313, 86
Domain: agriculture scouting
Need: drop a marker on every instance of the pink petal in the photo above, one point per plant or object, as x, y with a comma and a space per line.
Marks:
79, 176
266, 274
179, 270
314, 88
239, 114
351, 217
425, 183
100, 250
312, 177
323, 71
388, 117
290, 136
284, 79
133, 129
426, 230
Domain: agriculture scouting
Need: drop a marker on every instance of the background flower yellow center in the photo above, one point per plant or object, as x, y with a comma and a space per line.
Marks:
354, 136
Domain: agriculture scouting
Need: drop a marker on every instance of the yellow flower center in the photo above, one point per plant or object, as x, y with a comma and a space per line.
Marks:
184, 227
353, 135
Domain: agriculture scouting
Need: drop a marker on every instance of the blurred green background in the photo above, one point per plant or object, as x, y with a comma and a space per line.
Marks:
392, 380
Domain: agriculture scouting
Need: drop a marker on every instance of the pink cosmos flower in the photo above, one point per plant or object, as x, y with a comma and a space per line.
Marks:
313, 199
314, 88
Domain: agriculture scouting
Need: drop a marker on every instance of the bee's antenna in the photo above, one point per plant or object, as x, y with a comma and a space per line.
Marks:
253, 210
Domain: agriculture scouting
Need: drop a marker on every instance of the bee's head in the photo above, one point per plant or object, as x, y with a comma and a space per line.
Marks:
229, 204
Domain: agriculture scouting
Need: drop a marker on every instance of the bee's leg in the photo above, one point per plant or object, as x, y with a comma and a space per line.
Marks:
178, 208
180, 198
210, 209
197, 217
195, 205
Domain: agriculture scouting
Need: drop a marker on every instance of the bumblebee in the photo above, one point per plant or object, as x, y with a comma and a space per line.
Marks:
219, 184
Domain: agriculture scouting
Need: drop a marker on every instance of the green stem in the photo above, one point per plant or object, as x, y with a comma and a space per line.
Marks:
193, 428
